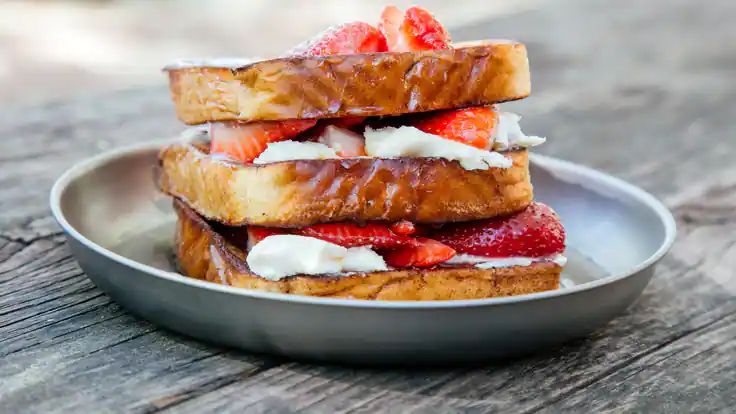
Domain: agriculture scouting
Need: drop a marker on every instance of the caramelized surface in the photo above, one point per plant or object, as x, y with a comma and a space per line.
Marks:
370, 84
305, 192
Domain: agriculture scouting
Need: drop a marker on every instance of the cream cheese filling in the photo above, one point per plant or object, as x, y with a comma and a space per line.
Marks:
280, 256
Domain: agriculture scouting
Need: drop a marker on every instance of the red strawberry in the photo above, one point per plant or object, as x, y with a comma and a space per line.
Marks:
257, 234
353, 235
345, 142
404, 227
428, 253
472, 126
534, 232
246, 141
349, 122
348, 38
415, 30
352, 123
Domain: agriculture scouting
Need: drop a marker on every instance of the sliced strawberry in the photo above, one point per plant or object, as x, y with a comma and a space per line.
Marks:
404, 227
427, 253
353, 235
349, 122
534, 232
345, 142
415, 30
246, 141
425, 30
390, 24
348, 38
257, 234
355, 124
471, 126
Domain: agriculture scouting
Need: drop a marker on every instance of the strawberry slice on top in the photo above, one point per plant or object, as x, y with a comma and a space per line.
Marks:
472, 126
534, 232
246, 141
411, 31
378, 236
348, 38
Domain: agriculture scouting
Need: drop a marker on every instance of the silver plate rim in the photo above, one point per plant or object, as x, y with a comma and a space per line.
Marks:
91, 163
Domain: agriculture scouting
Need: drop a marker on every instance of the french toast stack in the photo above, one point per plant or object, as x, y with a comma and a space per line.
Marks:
370, 162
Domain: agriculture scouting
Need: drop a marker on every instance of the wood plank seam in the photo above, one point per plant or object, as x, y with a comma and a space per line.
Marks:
32, 229
65, 306
423, 390
146, 331
28, 241
57, 321
709, 327
207, 387
54, 286
54, 245
617, 367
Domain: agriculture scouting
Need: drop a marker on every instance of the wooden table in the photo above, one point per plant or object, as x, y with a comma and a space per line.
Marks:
639, 89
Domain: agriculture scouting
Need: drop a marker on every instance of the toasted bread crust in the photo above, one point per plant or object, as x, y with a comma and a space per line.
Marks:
205, 254
370, 84
305, 192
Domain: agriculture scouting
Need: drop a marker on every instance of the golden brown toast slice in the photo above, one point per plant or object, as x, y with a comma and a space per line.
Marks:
204, 253
370, 84
304, 192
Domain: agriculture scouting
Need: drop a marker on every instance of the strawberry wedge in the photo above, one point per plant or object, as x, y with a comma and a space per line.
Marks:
257, 234
346, 143
404, 227
377, 236
412, 31
348, 38
400, 251
246, 141
426, 253
534, 232
471, 126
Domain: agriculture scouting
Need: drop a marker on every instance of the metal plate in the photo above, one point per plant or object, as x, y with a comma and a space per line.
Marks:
121, 232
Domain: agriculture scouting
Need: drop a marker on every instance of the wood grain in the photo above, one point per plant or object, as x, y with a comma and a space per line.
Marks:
617, 85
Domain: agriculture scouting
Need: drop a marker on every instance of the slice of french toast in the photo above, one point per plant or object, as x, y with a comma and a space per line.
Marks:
370, 84
304, 192
204, 252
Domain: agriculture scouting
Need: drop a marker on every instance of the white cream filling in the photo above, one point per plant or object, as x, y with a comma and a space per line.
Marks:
407, 141
490, 262
227, 63
293, 150
509, 135
280, 256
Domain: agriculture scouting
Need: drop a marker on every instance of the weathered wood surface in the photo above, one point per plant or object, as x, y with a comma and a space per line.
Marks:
643, 90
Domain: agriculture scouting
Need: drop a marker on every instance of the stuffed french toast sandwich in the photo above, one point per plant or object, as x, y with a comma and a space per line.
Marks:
371, 162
